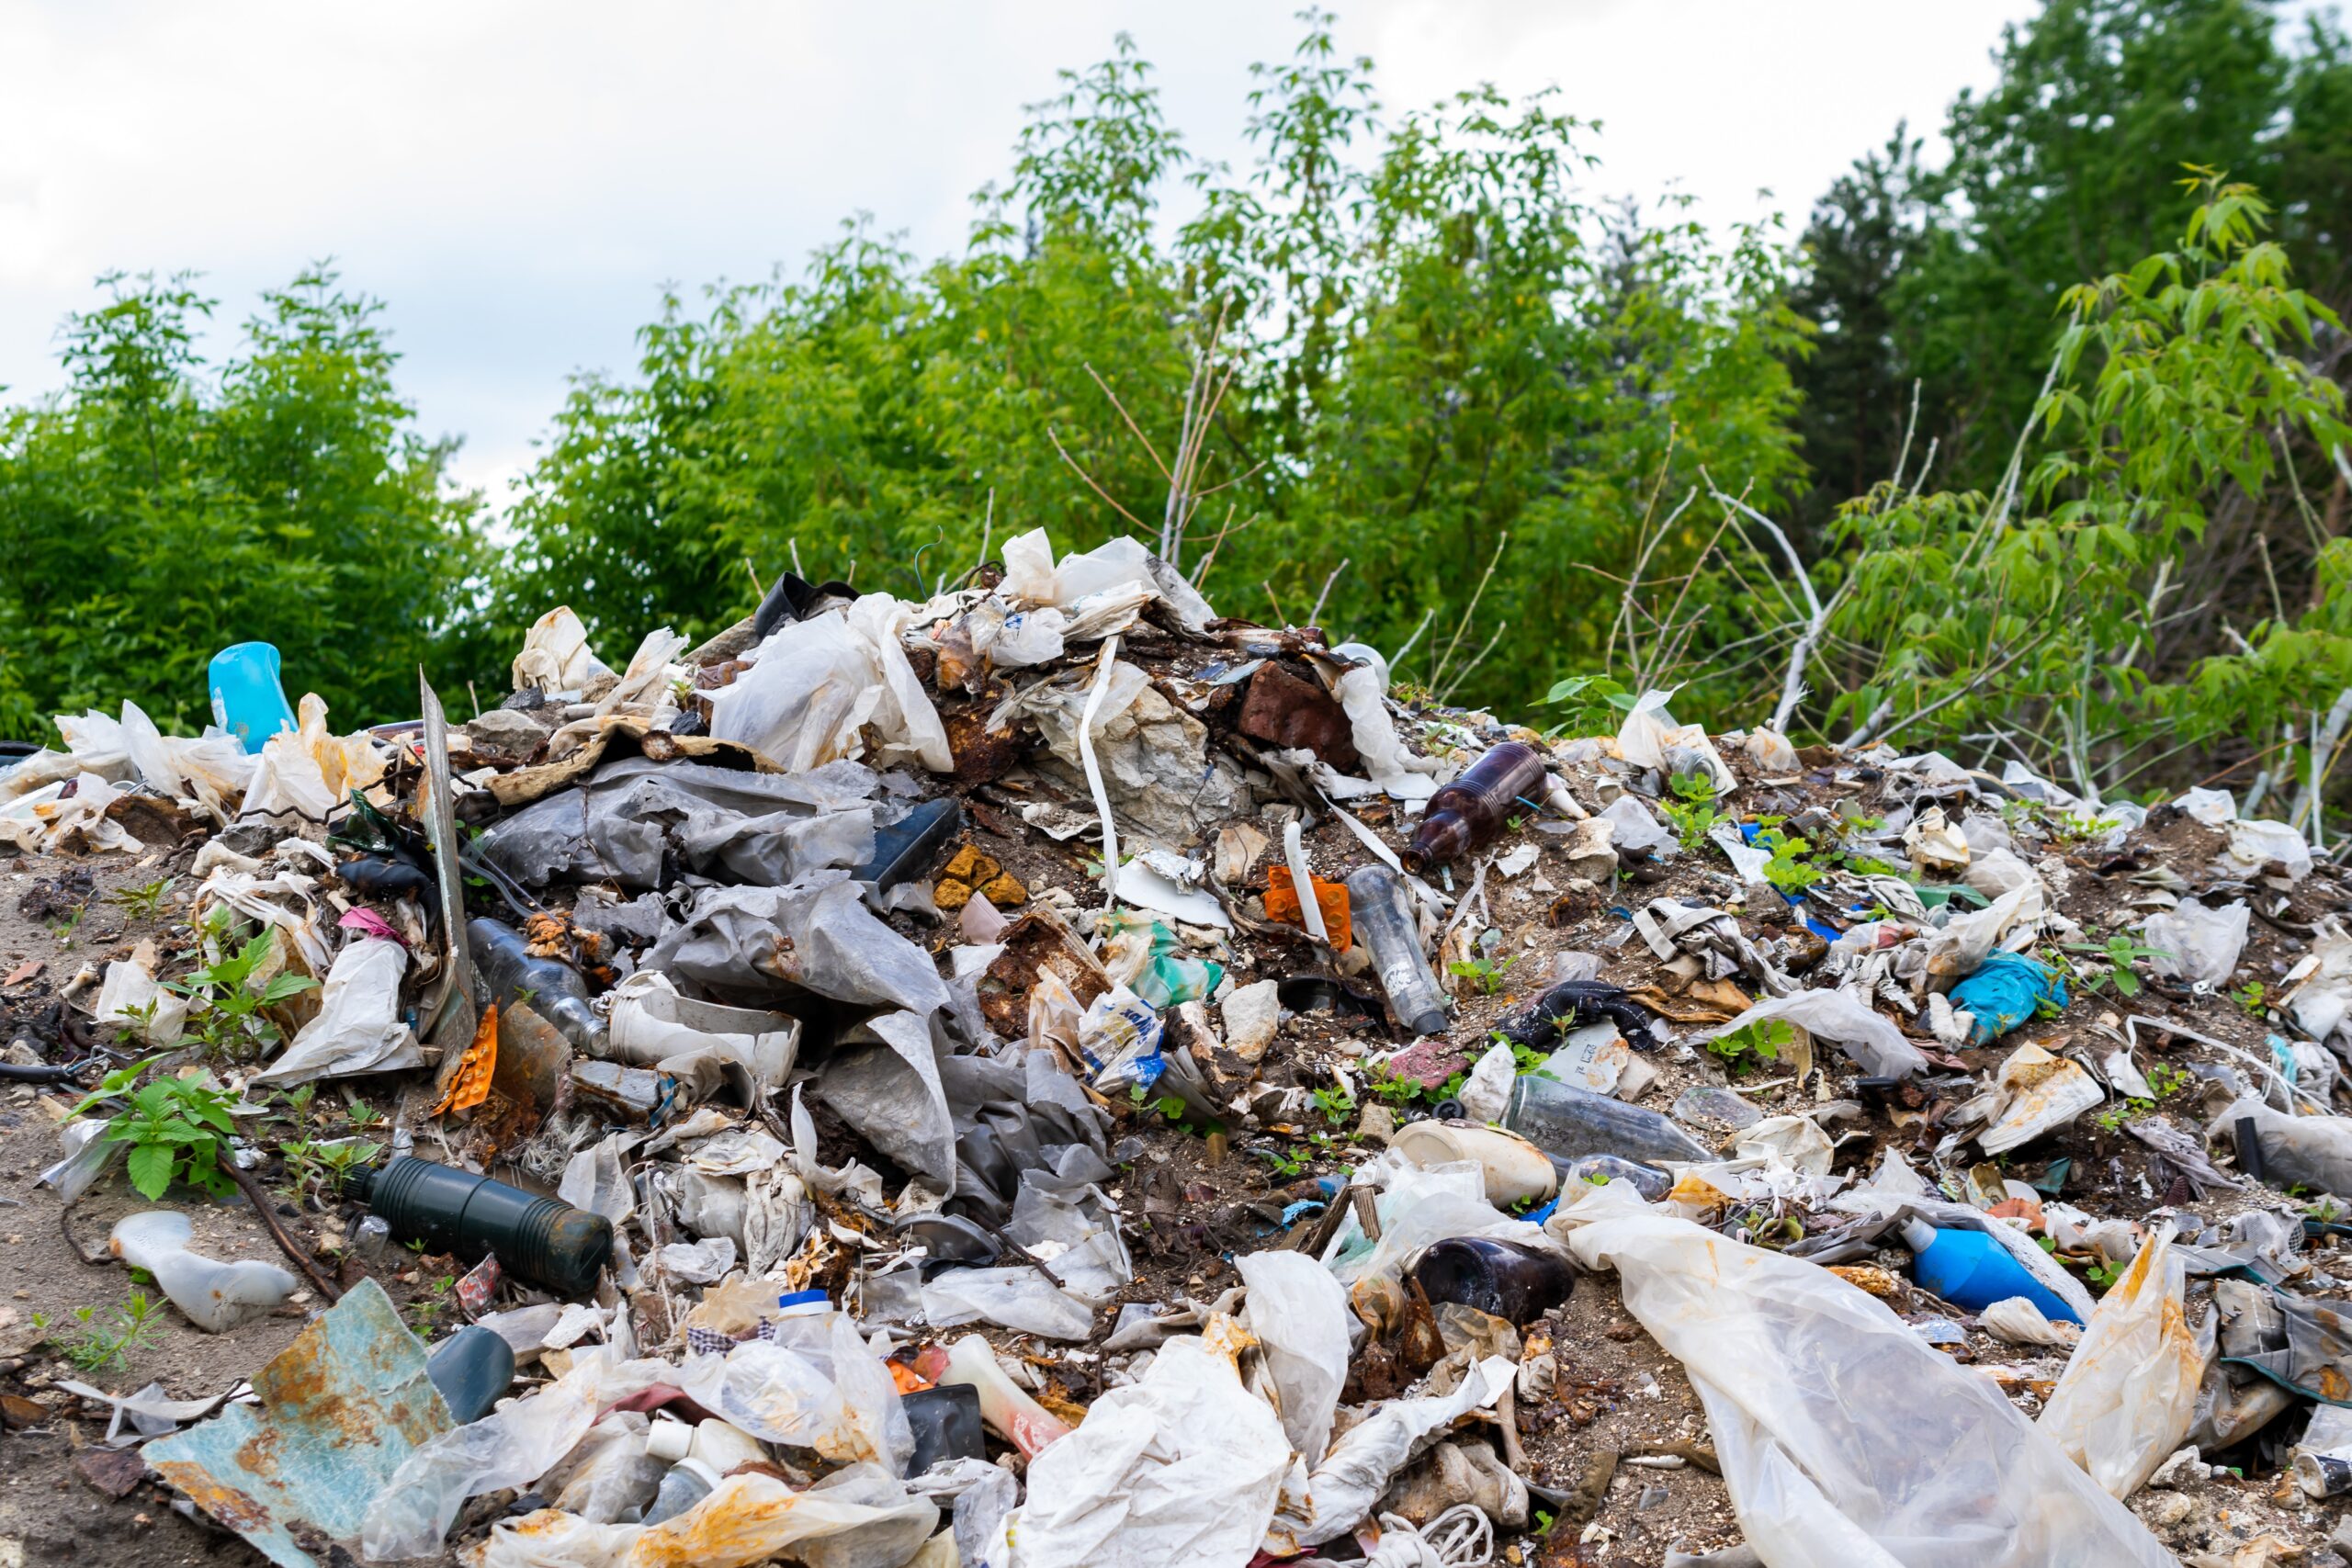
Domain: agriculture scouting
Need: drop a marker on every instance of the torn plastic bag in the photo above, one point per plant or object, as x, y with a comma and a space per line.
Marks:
857, 1518
2295, 1151
1417, 1207
214, 1295
1874, 1043
307, 774
2302, 1346
2128, 1393
2034, 1093
211, 770
1079, 1231
2256, 844
556, 657
652, 1026
2007, 989
1826, 1468
1153, 756
1015, 1297
634, 815
88, 1154
1387, 763
1630, 827
1352, 1477
1176, 1471
341, 1408
358, 1028
890, 1093
815, 935
815, 1386
2194, 943
1960, 949
817, 685
1299, 1314
131, 999
608, 1473
511, 1446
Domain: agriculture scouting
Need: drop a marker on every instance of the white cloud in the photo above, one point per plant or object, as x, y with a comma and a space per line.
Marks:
518, 181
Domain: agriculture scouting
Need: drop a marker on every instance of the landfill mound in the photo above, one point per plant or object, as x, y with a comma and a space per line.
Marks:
1051, 1078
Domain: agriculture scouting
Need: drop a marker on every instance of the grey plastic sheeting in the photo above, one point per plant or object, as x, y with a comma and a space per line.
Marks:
765, 828
340, 1409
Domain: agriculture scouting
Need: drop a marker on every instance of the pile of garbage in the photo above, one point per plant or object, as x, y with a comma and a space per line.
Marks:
1051, 1077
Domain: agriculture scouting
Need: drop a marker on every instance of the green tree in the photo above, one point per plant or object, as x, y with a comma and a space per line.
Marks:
153, 513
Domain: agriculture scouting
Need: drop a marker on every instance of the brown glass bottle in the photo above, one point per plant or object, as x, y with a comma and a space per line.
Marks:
1472, 809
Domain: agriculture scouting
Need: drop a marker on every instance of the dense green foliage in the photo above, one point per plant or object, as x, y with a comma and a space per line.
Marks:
2034, 449
153, 512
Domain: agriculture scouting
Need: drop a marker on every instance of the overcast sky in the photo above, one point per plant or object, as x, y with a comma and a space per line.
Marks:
518, 181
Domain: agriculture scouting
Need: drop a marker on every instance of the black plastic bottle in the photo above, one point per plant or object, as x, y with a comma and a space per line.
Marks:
471, 1368
543, 1240
1502, 1279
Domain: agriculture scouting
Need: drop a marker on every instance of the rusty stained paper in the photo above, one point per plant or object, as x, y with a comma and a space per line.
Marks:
340, 1409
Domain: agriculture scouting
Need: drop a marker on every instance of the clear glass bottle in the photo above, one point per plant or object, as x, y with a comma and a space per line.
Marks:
1383, 917
1568, 1124
557, 991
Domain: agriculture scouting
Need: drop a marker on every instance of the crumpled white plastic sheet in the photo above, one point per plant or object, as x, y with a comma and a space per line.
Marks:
1420, 1205
1353, 1475
819, 685
358, 1028
857, 1518
1960, 949
815, 1386
2128, 1393
556, 657
2255, 844
2195, 943
48, 819
307, 772
130, 997
1388, 764
1178, 1470
1825, 1469
1877, 1045
1299, 1314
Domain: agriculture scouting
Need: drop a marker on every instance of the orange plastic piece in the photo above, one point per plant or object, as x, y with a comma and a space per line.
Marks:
470, 1084
1282, 904
909, 1380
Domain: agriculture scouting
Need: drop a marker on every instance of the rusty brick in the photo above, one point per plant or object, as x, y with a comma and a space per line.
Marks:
1285, 711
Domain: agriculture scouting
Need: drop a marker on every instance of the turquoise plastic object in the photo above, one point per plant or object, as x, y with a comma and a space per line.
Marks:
1972, 1271
247, 700
1169, 978
2004, 993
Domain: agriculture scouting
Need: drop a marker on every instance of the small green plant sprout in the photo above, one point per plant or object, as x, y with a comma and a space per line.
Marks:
320, 1167
1693, 812
178, 1131
2168, 1080
361, 1113
1336, 1103
1485, 973
226, 1003
98, 1344
1756, 1044
66, 928
2249, 996
1788, 870
1392, 1088
2120, 953
2131, 1109
1284, 1161
145, 901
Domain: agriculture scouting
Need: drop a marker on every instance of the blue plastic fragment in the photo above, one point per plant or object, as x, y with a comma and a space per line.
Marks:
2004, 992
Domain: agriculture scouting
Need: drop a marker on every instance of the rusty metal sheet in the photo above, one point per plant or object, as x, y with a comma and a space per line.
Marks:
340, 1409
455, 1021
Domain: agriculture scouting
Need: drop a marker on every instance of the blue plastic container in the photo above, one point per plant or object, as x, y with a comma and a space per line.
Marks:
1972, 1270
247, 700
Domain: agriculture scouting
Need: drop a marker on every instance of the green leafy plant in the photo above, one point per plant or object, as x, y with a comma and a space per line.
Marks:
1754, 1044
145, 901
1391, 1087
178, 1131
320, 1167
1336, 1103
2120, 953
1693, 812
2168, 1080
97, 1344
2250, 997
1592, 703
225, 1014
1485, 972
1788, 870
